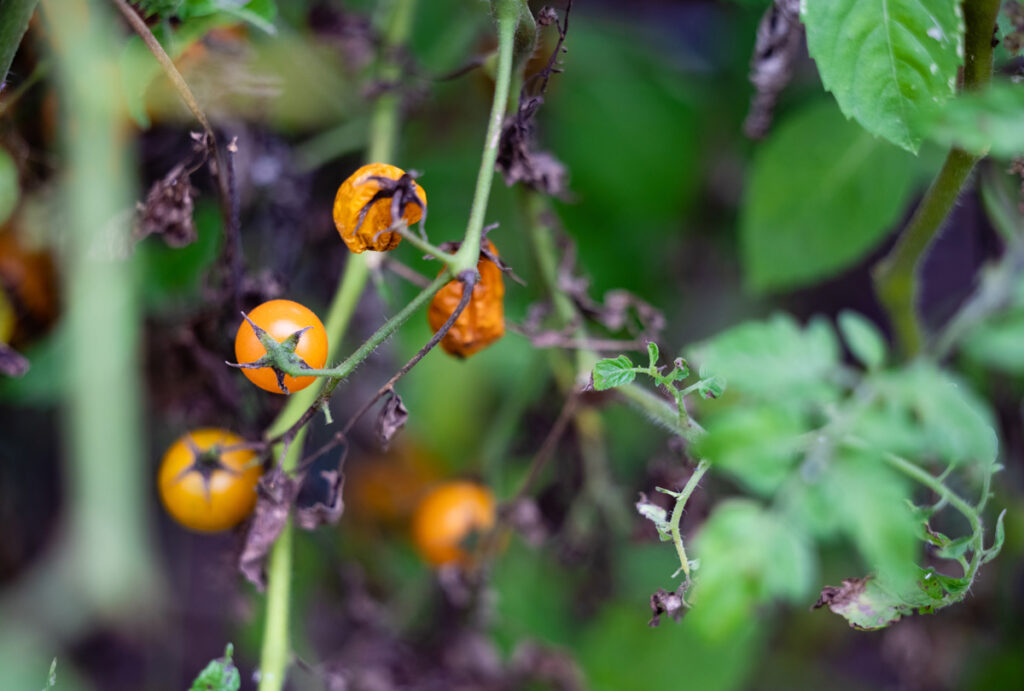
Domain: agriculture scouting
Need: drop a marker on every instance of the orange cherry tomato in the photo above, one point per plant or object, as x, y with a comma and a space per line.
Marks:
357, 192
483, 321
204, 488
447, 516
280, 319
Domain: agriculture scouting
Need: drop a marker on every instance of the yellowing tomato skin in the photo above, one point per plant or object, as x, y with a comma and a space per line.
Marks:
355, 193
281, 318
449, 514
219, 502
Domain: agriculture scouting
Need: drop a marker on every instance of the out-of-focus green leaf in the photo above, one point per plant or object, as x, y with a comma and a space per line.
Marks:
822, 193
863, 338
14, 18
659, 658
9, 188
982, 122
886, 61
757, 445
999, 343
612, 372
776, 359
1000, 537
925, 413
749, 557
219, 675
175, 274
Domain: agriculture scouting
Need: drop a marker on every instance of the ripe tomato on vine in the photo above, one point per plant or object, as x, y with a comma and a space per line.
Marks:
281, 319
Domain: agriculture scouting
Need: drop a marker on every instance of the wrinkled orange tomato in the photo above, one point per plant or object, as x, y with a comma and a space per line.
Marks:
362, 207
483, 321
449, 515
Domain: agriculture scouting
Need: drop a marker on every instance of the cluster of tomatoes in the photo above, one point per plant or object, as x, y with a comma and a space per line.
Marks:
207, 480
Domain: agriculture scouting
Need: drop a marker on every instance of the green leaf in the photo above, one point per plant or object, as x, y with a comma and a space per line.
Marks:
790, 233
51, 680
956, 548
997, 343
982, 122
749, 557
776, 360
219, 675
863, 338
652, 353
9, 187
886, 61
997, 545
14, 18
925, 413
758, 445
613, 372
869, 604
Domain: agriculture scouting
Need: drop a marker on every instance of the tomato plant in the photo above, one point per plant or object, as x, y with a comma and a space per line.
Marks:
206, 487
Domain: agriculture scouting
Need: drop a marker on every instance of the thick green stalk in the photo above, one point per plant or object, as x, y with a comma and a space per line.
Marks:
382, 137
895, 277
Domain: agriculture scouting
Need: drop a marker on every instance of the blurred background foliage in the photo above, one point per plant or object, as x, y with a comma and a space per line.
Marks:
666, 199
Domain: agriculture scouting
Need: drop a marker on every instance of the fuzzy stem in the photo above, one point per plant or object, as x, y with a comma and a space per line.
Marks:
382, 136
677, 514
508, 14
895, 277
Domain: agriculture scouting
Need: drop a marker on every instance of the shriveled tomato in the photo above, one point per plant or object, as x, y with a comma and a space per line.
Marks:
205, 488
483, 321
281, 319
362, 207
447, 517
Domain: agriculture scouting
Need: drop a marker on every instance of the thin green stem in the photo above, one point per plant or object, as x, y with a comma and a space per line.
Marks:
469, 253
422, 245
677, 514
382, 136
895, 277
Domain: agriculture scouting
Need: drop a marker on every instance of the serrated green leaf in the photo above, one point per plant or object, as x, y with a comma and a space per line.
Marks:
790, 234
1000, 537
775, 360
749, 557
924, 412
886, 61
956, 548
612, 372
711, 388
863, 338
870, 603
982, 122
757, 445
219, 675
652, 353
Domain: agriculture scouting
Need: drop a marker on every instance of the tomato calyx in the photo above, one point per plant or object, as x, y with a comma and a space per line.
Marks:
401, 192
205, 462
280, 355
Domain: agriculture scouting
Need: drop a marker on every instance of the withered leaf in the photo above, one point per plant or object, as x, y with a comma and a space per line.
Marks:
324, 512
779, 37
673, 604
391, 420
12, 363
276, 494
168, 209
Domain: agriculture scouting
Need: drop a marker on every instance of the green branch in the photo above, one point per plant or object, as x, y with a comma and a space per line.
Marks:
895, 277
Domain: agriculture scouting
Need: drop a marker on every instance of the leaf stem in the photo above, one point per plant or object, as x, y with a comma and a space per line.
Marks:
895, 277
677, 514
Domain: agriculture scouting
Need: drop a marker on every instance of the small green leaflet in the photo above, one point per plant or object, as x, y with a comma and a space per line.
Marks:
219, 675
886, 61
613, 372
982, 122
656, 515
863, 339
